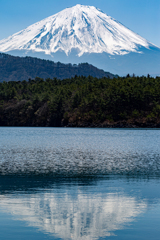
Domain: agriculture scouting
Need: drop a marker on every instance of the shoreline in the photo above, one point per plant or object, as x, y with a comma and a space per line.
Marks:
122, 125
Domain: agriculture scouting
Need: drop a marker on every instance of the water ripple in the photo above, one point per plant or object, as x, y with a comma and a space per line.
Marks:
79, 152
76, 162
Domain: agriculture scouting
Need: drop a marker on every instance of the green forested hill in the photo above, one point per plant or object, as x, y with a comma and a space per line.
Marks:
22, 68
81, 101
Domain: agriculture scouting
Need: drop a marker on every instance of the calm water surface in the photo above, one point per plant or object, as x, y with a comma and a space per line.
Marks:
63, 183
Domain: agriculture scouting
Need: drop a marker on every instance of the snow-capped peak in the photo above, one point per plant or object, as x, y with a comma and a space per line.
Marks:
84, 28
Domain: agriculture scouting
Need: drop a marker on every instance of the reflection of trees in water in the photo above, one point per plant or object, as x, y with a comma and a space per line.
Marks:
82, 216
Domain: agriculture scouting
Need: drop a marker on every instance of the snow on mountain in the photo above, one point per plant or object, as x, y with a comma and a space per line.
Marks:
84, 28
86, 34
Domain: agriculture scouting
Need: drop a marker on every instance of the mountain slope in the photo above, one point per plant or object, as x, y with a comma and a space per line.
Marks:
81, 27
22, 68
84, 33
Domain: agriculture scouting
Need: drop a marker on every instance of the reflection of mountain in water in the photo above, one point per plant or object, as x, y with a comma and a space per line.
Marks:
83, 216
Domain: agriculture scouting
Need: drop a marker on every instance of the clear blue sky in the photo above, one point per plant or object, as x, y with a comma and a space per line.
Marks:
141, 16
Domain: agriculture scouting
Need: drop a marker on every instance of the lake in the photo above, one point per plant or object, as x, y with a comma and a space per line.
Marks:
79, 183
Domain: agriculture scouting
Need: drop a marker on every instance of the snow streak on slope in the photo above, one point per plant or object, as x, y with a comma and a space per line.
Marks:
84, 28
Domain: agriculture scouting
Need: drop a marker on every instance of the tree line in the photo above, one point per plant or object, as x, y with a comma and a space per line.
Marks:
81, 101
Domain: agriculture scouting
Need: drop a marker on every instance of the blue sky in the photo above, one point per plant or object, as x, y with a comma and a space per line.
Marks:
141, 16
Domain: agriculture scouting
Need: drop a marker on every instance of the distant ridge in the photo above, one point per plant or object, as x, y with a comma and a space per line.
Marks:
22, 68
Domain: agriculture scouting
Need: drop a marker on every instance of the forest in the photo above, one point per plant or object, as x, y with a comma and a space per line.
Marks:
81, 102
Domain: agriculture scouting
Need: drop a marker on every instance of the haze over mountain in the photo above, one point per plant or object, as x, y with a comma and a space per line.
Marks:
86, 34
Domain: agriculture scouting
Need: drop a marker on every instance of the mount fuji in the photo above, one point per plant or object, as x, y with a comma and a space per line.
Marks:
86, 34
